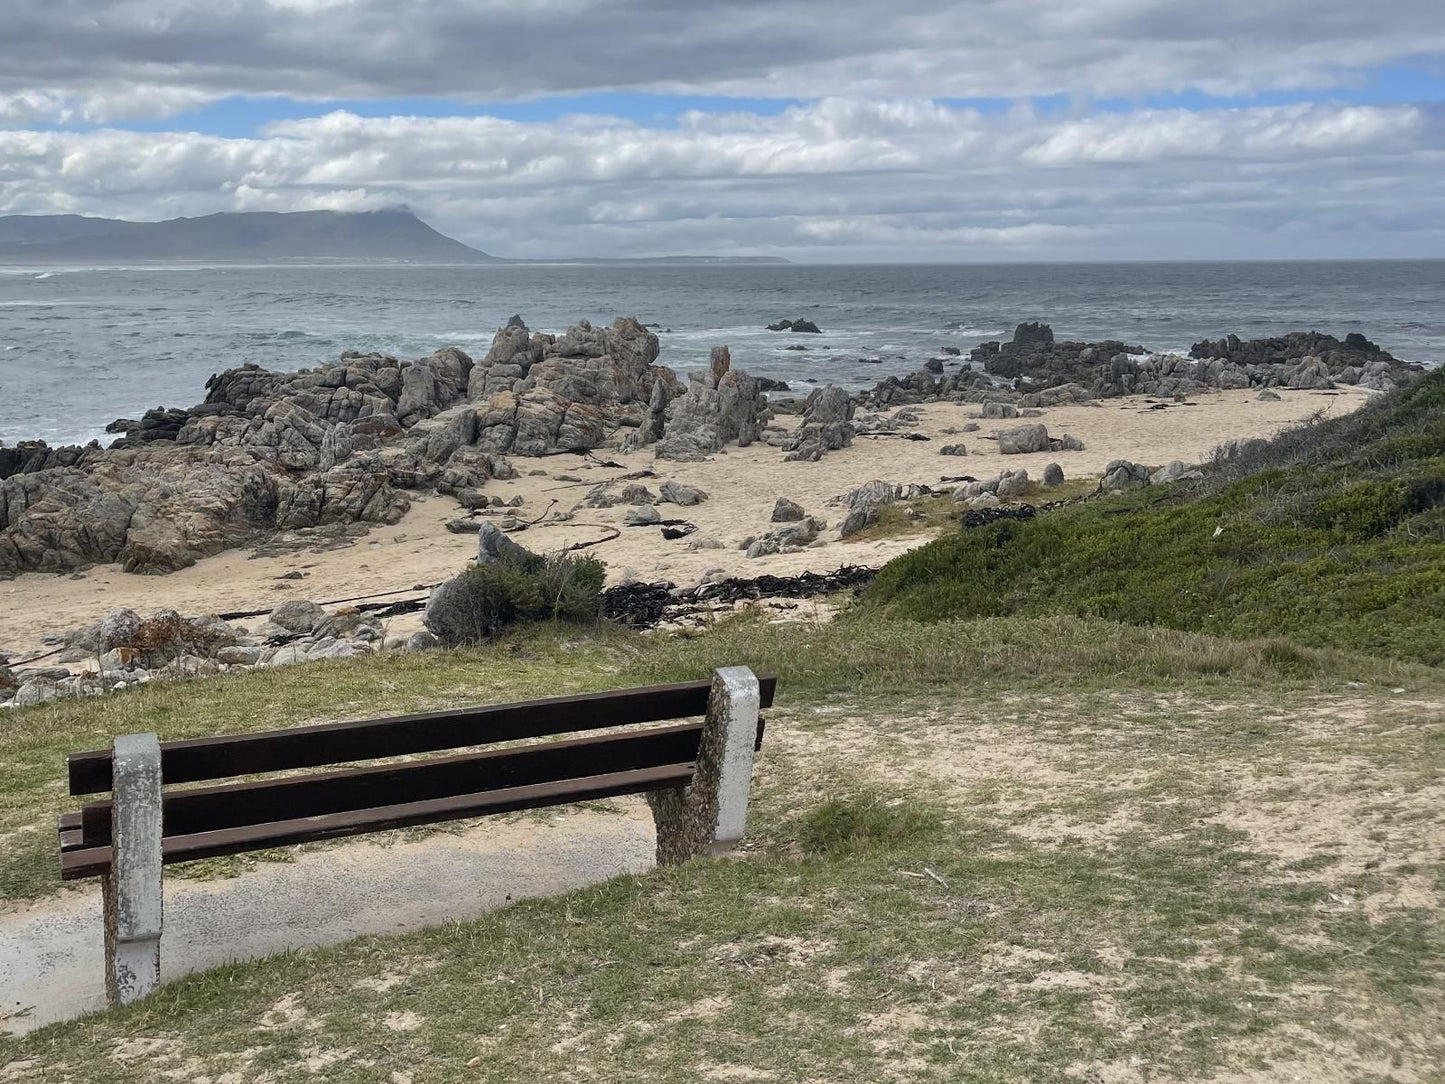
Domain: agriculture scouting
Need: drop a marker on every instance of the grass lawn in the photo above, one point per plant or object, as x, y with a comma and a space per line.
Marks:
1014, 849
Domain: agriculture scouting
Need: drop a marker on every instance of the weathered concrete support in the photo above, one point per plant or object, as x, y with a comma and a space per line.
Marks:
711, 815
132, 889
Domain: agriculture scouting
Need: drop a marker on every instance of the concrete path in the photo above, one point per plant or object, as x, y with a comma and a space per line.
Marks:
51, 952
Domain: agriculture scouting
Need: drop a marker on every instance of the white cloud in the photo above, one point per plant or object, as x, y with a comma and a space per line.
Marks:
1240, 133
842, 177
102, 59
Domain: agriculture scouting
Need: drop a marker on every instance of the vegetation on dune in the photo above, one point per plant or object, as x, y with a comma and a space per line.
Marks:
1332, 534
518, 587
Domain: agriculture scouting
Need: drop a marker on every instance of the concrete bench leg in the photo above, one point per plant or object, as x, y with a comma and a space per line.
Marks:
711, 815
133, 887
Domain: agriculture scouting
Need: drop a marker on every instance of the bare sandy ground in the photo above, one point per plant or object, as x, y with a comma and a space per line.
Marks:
743, 485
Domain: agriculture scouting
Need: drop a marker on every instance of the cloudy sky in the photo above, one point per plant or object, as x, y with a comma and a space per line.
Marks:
813, 129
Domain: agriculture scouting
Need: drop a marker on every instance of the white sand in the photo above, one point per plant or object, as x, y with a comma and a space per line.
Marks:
743, 485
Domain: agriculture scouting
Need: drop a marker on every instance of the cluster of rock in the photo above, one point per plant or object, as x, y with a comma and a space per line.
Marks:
797, 531
1033, 370
1009, 485
1125, 474
125, 649
799, 326
861, 505
720, 405
827, 425
1024, 439
1301, 360
333, 447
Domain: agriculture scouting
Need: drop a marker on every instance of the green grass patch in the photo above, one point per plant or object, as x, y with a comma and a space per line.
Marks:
1007, 960
861, 822
858, 657
1333, 535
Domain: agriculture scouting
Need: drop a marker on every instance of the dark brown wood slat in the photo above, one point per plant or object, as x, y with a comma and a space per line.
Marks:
72, 823
199, 759
95, 861
233, 805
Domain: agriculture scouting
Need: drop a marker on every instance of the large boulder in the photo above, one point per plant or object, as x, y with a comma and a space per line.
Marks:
827, 425
1024, 439
494, 545
1123, 474
298, 615
786, 511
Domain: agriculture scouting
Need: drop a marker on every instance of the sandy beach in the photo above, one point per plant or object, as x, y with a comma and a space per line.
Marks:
742, 484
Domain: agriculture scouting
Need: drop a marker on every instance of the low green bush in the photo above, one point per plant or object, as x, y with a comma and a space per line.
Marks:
519, 587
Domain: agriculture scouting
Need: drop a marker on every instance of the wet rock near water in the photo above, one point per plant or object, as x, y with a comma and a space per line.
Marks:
1300, 360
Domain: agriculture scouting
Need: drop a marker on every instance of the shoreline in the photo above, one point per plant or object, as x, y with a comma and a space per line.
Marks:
742, 486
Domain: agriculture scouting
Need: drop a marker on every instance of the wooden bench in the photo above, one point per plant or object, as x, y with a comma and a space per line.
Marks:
696, 776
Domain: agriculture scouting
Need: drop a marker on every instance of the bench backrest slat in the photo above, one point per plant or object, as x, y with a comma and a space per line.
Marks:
200, 759
95, 861
215, 808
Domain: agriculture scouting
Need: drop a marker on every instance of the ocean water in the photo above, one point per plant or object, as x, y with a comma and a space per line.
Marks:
80, 347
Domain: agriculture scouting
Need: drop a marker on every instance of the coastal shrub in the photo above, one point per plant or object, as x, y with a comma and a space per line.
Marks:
1332, 535
518, 587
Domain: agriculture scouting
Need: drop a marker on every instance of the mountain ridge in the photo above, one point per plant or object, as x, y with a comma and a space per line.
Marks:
394, 235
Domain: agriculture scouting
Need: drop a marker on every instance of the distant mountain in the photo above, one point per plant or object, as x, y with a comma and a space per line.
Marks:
251, 235
260, 236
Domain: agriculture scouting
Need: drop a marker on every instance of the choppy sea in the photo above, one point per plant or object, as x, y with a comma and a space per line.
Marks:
80, 347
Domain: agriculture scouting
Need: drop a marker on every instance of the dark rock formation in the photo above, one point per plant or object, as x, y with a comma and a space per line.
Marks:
800, 326
1034, 354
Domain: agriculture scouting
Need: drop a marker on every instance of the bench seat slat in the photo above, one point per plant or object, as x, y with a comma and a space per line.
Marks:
95, 861
195, 760
235, 805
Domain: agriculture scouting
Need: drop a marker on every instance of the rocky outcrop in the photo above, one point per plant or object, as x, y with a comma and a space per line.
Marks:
862, 504
1033, 354
127, 649
794, 536
720, 405
537, 394
802, 326
268, 451
992, 492
160, 509
1301, 360
827, 425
